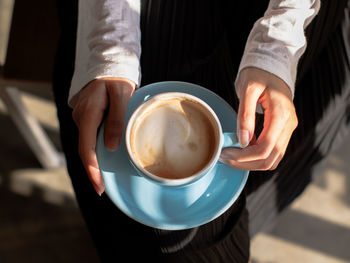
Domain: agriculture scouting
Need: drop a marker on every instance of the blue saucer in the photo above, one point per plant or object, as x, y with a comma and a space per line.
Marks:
171, 208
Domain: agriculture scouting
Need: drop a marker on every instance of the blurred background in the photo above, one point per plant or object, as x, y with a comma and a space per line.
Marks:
39, 217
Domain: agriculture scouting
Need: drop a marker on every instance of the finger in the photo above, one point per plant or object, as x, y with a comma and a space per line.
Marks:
250, 153
116, 114
113, 127
93, 171
275, 120
286, 135
274, 124
88, 125
233, 156
257, 165
259, 151
277, 162
246, 113
253, 140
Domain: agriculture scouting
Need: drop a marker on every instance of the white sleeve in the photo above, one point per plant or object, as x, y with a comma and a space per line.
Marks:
277, 40
108, 42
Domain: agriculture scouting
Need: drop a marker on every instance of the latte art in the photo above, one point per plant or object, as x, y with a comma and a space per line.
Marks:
174, 138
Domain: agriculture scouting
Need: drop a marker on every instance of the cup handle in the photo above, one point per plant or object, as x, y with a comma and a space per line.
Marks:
230, 140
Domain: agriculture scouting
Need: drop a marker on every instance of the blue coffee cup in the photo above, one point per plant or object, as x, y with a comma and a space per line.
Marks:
147, 108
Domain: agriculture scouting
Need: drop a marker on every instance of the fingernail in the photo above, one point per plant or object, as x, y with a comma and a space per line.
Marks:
99, 185
99, 189
243, 136
113, 144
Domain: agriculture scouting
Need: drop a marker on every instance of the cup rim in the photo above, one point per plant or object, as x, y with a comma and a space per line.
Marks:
167, 181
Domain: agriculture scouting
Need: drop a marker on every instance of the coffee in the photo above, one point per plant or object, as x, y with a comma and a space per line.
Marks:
174, 138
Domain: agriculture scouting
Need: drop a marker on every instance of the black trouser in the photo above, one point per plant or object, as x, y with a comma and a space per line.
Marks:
202, 42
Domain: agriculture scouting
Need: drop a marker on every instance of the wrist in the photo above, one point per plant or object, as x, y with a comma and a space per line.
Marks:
125, 81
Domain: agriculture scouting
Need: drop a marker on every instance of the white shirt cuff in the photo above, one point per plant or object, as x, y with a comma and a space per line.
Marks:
277, 40
108, 42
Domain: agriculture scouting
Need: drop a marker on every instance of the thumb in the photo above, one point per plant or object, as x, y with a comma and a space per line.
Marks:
246, 112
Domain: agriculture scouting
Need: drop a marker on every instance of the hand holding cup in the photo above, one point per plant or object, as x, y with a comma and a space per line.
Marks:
101, 96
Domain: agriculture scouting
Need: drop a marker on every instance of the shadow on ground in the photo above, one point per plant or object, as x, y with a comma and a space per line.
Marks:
38, 223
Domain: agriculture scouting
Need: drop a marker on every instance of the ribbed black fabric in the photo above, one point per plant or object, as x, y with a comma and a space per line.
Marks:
186, 40
322, 101
202, 41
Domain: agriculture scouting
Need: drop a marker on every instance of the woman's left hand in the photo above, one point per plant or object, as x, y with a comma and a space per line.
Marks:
256, 86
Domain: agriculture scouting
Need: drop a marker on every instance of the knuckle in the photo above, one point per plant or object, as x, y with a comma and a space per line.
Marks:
267, 164
273, 167
281, 112
264, 153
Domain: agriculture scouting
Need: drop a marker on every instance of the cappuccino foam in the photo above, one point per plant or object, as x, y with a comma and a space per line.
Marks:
174, 138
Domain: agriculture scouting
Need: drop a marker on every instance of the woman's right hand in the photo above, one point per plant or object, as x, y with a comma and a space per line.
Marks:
101, 96
256, 86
